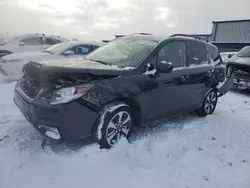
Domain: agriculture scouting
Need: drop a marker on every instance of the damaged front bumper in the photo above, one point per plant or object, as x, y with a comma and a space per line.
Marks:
224, 87
59, 123
241, 83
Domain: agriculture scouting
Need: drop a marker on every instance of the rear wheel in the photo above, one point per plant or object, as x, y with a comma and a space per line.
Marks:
209, 104
114, 122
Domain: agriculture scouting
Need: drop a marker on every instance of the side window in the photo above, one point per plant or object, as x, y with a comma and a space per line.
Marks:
173, 52
198, 53
81, 50
33, 41
50, 41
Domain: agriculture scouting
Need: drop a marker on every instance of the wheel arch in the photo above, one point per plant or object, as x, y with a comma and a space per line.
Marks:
134, 105
136, 109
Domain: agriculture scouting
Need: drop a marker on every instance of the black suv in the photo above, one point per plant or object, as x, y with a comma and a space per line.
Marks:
119, 86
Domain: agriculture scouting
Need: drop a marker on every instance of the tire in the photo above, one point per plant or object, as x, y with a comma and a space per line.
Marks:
115, 121
209, 104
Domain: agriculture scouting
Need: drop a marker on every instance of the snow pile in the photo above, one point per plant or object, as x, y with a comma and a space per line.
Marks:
188, 152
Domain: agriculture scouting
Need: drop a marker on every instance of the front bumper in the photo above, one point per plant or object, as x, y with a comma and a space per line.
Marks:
73, 121
241, 82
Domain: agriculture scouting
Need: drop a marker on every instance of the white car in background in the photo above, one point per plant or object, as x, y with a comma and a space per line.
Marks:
29, 42
11, 65
225, 56
2, 41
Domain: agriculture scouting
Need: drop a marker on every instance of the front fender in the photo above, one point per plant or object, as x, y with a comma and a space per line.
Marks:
109, 90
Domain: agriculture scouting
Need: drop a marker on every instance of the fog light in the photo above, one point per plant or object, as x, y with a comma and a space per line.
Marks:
51, 132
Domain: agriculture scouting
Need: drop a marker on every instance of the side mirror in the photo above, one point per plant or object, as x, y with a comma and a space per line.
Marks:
229, 56
69, 52
165, 67
21, 43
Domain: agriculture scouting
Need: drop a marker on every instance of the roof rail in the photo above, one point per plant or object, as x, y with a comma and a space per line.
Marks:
140, 34
192, 36
36, 34
118, 36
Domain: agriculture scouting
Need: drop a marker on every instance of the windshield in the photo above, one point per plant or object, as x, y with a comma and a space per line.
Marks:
58, 48
123, 52
244, 52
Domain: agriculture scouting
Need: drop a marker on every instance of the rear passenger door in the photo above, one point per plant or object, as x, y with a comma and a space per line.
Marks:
201, 71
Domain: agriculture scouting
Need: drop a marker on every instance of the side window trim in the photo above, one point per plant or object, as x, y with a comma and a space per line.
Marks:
186, 61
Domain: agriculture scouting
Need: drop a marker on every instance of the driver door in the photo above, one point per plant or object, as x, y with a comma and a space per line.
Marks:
171, 94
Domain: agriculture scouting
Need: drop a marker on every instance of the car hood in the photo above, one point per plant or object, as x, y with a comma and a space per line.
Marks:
35, 55
72, 66
239, 60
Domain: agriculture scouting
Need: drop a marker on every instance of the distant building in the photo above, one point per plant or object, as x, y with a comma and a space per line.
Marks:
230, 35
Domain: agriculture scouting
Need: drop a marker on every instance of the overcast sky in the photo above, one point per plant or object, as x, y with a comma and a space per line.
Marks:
102, 19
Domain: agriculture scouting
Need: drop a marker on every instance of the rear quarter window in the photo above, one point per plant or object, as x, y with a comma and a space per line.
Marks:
197, 53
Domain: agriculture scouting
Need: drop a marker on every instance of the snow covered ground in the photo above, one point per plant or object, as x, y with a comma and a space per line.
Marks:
190, 152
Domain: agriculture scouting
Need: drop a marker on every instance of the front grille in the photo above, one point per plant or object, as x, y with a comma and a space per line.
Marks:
29, 87
242, 74
229, 71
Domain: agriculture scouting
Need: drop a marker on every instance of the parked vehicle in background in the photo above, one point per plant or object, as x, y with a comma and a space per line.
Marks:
239, 64
29, 42
2, 41
117, 87
11, 65
225, 56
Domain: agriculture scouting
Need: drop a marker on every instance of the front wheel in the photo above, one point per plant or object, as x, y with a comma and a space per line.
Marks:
209, 104
115, 122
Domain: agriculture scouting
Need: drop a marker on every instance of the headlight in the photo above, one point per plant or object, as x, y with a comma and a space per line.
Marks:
69, 94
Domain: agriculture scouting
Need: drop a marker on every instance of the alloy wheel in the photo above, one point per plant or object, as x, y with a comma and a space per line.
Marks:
210, 102
119, 126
